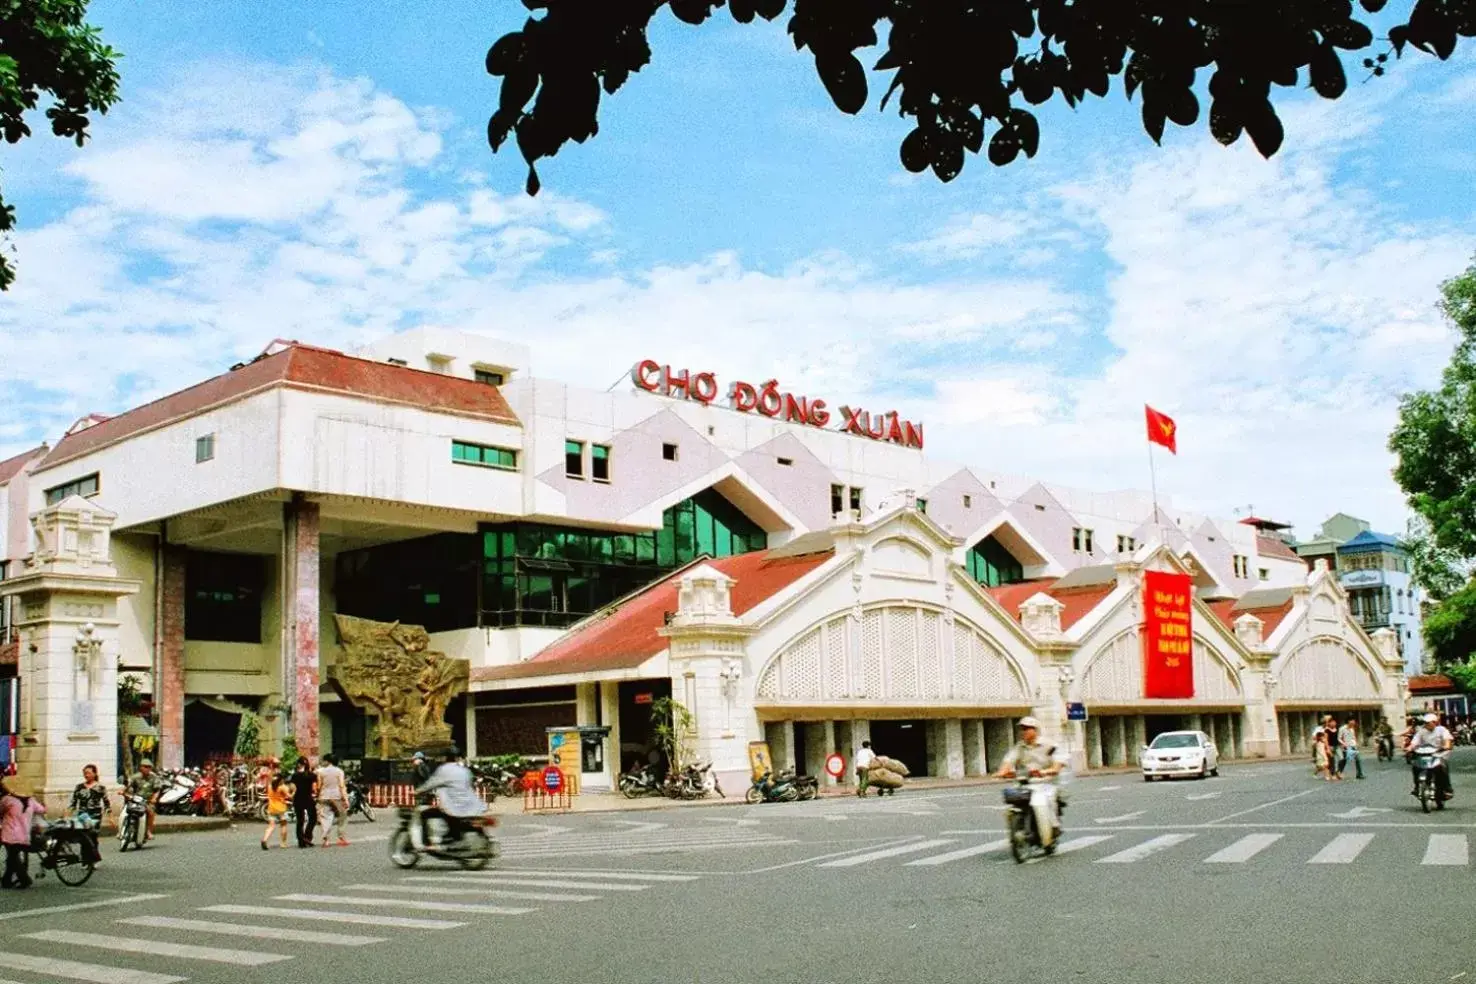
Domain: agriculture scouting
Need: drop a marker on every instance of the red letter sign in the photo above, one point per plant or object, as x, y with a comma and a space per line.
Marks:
1168, 635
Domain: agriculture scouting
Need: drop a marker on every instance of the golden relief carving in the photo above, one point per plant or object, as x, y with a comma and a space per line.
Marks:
389, 669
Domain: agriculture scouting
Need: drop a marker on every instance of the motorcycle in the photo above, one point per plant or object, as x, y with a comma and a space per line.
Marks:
703, 780
359, 800
65, 847
767, 789
473, 850
1385, 746
1020, 820
132, 825
177, 796
1425, 764
808, 787
642, 782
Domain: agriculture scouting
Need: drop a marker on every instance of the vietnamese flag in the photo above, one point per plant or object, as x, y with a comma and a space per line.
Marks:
1162, 429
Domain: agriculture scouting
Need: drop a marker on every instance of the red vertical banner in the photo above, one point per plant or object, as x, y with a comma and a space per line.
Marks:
1168, 635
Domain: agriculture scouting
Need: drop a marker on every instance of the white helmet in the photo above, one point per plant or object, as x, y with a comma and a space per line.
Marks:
1432, 718
1029, 722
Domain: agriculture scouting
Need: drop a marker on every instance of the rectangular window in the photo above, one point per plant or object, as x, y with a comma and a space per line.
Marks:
204, 449
1264, 573
1126, 544
837, 499
1241, 563
85, 486
669, 452
488, 376
599, 462
922, 505
574, 459
223, 597
786, 462
856, 495
481, 454
968, 502
1081, 540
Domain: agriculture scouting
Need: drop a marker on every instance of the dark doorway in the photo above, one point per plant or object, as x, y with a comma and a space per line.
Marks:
801, 744
1156, 724
903, 740
210, 735
636, 739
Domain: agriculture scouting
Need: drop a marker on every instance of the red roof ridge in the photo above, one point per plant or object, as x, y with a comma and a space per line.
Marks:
12, 466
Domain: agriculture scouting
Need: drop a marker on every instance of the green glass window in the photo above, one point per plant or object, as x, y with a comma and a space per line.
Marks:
599, 462
991, 564
481, 454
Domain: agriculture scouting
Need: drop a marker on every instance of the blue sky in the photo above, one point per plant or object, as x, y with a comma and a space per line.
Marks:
320, 172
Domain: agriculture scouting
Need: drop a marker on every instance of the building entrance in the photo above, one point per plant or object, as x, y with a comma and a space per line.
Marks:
637, 737
210, 734
906, 741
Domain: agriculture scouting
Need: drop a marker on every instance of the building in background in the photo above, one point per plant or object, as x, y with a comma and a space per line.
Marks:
1374, 568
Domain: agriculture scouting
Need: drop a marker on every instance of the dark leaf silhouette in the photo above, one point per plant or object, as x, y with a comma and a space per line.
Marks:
956, 64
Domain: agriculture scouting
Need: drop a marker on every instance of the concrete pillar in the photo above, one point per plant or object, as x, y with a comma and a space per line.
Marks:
1137, 736
998, 740
1094, 743
953, 748
1112, 741
975, 760
819, 742
780, 736
302, 608
169, 691
471, 726
609, 693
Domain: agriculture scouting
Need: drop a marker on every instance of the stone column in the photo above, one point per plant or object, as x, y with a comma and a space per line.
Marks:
953, 748
780, 736
819, 743
302, 608
471, 725
1259, 727
67, 622
1094, 743
976, 763
998, 737
169, 689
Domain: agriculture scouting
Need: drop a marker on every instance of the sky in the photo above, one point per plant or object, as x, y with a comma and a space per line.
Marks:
321, 172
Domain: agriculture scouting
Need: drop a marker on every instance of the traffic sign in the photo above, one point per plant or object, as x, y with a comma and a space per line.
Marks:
835, 764
1076, 712
552, 779
555, 740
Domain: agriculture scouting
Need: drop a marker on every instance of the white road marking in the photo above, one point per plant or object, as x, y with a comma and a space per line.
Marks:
1359, 812
468, 888
254, 932
1264, 806
1447, 849
328, 915
1244, 849
649, 849
491, 910
156, 948
886, 852
1081, 843
963, 852
1122, 819
1108, 789
1342, 849
824, 857
734, 822
1140, 851
77, 906
639, 826
651, 876
1196, 797
71, 970
493, 878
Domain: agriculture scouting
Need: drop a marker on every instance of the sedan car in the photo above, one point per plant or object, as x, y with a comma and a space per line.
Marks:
1180, 753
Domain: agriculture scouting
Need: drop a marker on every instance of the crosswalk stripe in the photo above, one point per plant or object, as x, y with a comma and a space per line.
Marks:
1342, 849
960, 854
254, 932
888, 852
491, 910
610, 875
623, 849
1140, 851
467, 888
585, 886
154, 948
1244, 849
1447, 849
1081, 843
328, 915
74, 971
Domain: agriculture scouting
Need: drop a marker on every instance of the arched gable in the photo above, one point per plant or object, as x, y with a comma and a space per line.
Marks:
1114, 673
1324, 668
902, 555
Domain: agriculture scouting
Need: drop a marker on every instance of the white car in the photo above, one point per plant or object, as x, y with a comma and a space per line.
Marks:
1180, 753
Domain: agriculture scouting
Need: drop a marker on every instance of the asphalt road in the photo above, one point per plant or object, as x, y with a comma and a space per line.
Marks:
1263, 874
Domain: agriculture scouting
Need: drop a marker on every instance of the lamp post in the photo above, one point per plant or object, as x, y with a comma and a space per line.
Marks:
728, 677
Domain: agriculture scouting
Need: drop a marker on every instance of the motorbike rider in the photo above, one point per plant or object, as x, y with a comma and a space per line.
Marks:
451, 784
1434, 739
146, 785
1384, 735
1039, 761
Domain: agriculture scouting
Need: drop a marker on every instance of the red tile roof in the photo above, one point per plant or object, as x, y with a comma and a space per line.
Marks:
1226, 611
304, 367
1431, 683
1274, 546
11, 467
628, 635
1078, 601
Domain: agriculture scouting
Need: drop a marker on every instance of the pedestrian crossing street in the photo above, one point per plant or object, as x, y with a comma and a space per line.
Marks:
166, 949
1207, 847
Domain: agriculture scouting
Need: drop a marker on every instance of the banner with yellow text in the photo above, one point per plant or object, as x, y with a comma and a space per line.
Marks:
1168, 635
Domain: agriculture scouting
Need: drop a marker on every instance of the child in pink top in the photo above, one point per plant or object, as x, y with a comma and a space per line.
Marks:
18, 811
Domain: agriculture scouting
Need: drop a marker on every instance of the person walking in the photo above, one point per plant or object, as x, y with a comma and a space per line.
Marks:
1348, 747
333, 795
305, 801
277, 793
90, 803
18, 810
864, 758
1322, 755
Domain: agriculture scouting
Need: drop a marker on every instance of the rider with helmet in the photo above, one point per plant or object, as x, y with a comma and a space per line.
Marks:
1042, 762
1434, 740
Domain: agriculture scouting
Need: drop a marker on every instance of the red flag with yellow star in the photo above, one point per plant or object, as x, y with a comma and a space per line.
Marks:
1162, 430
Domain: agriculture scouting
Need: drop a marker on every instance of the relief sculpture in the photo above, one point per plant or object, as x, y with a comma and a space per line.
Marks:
389, 669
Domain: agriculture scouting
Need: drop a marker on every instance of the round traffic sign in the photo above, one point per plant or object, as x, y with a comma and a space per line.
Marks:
835, 764
552, 779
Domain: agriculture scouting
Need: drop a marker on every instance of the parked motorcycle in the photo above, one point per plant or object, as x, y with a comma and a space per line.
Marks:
767, 789
359, 800
1425, 764
641, 782
473, 850
808, 787
1020, 821
177, 794
65, 847
132, 825
704, 780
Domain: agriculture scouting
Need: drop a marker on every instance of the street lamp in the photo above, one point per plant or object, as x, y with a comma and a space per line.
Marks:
728, 677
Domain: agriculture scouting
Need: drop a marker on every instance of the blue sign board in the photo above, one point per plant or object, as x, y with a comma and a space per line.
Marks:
1076, 712
556, 741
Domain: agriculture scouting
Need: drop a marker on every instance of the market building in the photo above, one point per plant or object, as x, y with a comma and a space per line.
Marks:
790, 569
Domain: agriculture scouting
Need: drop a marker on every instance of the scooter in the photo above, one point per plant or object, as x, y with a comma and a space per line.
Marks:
766, 789
473, 850
176, 798
1024, 831
641, 782
1425, 764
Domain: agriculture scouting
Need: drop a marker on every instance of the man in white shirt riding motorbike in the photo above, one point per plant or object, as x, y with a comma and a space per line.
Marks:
1433, 739
1041, 762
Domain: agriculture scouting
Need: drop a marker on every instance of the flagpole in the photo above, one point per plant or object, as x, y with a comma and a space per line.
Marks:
1153, 484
